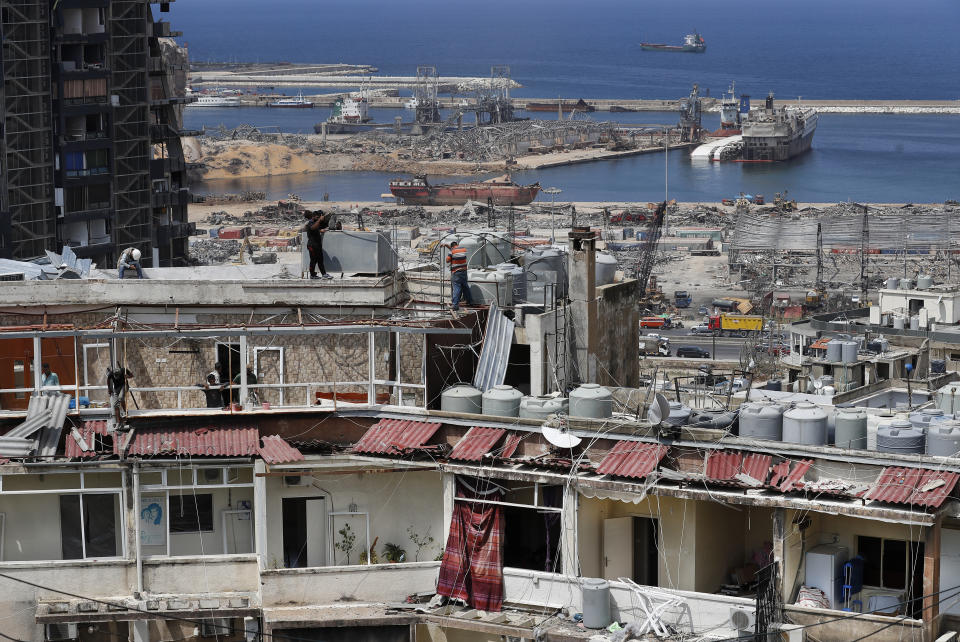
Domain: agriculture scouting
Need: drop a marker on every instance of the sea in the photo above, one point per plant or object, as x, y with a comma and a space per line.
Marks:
819, 49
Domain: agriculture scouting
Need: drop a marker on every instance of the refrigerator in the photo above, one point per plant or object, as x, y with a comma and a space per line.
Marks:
824, 570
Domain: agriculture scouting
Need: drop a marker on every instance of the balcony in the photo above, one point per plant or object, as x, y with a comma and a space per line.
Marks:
92, 212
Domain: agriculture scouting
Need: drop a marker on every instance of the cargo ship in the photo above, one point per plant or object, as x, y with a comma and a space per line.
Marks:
565, 107
500, 190
692, 43
777, 133
732, 111
350, 115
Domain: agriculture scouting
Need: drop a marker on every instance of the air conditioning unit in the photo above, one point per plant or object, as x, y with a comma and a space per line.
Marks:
216, 627
742, 619
786, 633
296, 479
60, 631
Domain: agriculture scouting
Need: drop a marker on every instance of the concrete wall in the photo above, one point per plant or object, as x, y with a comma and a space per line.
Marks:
941, 307
201, 575
619, 319
377, 583
394, 501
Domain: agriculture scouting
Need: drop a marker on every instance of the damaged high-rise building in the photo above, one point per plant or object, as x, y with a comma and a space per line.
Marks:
90, 149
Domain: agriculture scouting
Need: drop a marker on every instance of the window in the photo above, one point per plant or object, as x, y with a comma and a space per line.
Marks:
95, 535
191, 513
893, 564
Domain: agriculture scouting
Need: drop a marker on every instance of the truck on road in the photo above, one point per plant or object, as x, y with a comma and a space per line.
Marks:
682, 299
740, 325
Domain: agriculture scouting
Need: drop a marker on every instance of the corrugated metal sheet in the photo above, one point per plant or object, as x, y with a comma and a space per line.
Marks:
275, 450
42, 426
757, 466
392, 435
89, 432
221, 441
727, 467
492, 366
723, 466
914, 486
476, 443
632, 459
50, 435
786, 477
510, 444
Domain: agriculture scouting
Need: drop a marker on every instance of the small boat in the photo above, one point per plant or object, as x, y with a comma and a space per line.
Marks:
411, 104
298, 102
692, 43
216, 101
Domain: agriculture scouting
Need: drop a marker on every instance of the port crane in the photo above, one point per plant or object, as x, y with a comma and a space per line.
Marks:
648, 253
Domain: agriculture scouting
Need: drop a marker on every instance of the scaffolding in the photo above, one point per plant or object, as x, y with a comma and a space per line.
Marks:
27, 223
493, 104
425, 93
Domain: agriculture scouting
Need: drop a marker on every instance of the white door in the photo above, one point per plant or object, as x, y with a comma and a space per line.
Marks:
617, 547
316, 531
237, 532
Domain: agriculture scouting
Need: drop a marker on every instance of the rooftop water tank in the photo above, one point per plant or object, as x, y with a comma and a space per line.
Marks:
850, 429
476, 254
834, 351
923, 418
545, 267
938, 366
498, 248
502, 401
605, 269
850, 349
714, 419
596, 602
898, 323
461, 398
543, 407
906, 284
943, 439
591, 400
805, 423
761, 420
892, 283
924, 282
519, 280
915, 322
899, 436
491, 286
947, 398
679, 414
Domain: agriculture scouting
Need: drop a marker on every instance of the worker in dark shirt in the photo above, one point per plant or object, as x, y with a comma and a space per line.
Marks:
117, 387
317, 224
213, 391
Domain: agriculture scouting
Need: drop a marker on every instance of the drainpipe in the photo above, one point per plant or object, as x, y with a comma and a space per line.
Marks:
136, 517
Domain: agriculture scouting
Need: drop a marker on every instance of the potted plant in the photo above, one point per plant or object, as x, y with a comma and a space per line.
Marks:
346, 542
393, 553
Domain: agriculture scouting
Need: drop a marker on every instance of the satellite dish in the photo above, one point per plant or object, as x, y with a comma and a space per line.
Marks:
560, 438
659, 410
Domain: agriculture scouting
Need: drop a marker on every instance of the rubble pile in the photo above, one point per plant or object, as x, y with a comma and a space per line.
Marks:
213, 251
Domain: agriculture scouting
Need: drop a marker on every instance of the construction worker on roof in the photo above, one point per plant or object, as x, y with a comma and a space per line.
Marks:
457, 260
129, 258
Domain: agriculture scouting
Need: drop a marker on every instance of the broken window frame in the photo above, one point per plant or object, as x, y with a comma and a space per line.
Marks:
83, 489
166, 485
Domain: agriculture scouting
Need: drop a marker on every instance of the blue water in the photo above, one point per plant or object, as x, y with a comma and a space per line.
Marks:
866, 49
817, 48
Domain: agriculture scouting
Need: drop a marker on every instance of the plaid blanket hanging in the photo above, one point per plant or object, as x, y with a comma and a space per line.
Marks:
472, 566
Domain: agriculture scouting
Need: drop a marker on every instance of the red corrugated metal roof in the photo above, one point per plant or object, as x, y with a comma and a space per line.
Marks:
907, 486
88, 431
510, 444
632, 459
820, 344
787, 478
726, 466
275, 450
221, 441
476, 443
392, 435
757, 466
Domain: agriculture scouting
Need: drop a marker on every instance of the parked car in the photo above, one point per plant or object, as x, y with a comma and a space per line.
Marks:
702, 328
739, 383
778, 349
693, 352
703, 310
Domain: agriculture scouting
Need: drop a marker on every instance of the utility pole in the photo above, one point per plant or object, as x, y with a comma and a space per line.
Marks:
864, 248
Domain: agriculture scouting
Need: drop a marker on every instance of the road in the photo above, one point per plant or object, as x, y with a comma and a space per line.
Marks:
720, 347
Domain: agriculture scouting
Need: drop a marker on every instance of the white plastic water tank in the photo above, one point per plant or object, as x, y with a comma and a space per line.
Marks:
834, 351
461, 398
943, 439
849, 350
491, 286
922, 419
543, 407
498, 248
915, 322
898, 322
924, 282
906, 284
947, 398
519, 280
595, 593
591, 400
892, 283
605, 269
850, 429
502, 401
805, 423
547, 269
476, 255
761, 420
